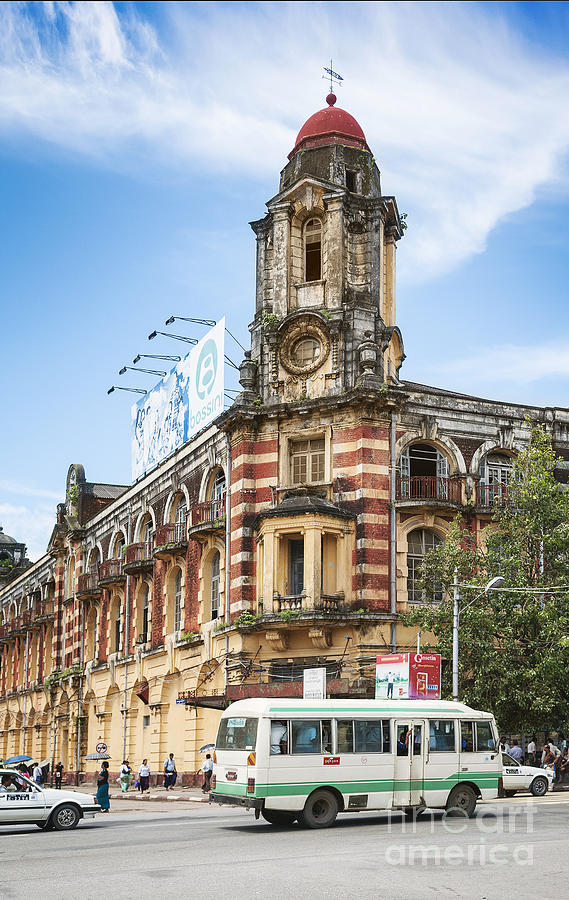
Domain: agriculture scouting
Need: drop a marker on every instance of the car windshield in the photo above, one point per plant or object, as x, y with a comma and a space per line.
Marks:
508, 760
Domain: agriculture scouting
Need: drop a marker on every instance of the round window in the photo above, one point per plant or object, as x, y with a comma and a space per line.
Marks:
306, 352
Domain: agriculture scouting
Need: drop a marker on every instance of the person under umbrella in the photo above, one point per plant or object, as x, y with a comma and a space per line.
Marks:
103, 787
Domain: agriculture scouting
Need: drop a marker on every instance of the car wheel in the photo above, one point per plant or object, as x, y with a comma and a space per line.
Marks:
278, 816
65, 817
539, 786
320, 810
462, 799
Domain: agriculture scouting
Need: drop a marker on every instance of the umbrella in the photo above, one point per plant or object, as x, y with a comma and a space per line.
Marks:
44, 762
98, 756
16, 759
206, 747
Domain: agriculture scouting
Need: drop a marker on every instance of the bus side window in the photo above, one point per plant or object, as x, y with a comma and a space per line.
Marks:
484, 737
441, 735
306, 736
279, 737
326, 738
467, 737
386, 735
368, 736
345, 736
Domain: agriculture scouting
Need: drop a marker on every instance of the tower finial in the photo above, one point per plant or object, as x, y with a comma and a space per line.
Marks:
334, 77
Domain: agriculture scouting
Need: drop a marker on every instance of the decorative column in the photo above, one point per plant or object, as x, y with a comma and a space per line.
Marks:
281, 258
312, 565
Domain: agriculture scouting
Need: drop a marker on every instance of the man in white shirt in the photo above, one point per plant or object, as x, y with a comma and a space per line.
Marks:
278, 735
532, 750
207, 769
170, 773
37, 774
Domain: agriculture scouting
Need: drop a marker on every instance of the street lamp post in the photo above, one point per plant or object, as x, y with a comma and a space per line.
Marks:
496, 582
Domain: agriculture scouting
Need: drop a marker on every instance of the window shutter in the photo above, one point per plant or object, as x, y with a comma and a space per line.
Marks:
442, 465
405, 463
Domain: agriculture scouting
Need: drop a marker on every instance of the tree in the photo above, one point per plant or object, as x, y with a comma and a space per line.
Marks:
514, 644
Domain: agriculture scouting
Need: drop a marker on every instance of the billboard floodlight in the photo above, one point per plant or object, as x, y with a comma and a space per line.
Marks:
140, 356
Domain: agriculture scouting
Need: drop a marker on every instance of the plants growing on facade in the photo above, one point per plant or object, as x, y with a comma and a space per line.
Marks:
270, 320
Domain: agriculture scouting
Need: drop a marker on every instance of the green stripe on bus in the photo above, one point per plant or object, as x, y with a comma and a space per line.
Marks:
482, 779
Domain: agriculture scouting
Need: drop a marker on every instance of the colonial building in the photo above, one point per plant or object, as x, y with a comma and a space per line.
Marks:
288, 534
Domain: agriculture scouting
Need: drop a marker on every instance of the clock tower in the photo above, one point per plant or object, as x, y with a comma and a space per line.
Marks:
325, 297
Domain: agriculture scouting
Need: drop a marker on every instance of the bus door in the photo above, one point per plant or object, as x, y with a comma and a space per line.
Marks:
409, 763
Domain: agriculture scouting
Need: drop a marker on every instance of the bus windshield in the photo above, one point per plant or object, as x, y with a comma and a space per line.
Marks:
237, 733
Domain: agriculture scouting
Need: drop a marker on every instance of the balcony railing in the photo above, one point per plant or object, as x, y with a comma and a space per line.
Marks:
88, 585
292, 602
492, 494
170, 537
110, 572
43, 612
207, 517
427, 487
139, 556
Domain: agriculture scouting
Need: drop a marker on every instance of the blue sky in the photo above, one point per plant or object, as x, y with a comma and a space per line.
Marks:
138, 140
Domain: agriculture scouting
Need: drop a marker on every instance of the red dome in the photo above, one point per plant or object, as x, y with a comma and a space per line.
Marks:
328, 126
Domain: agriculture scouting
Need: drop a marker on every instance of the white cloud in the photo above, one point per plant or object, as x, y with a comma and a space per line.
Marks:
512, 364
466, 120
30, 525
14, 487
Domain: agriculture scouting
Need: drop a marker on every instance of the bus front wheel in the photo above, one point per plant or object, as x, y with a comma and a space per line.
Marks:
462, 799
320, 810
278, 816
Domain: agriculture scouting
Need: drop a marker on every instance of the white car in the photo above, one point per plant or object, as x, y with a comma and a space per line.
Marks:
525, 778
22, 802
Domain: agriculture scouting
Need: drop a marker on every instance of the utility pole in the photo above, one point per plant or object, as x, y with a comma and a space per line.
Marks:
455, 617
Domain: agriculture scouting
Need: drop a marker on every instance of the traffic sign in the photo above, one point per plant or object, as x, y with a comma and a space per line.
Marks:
101, 747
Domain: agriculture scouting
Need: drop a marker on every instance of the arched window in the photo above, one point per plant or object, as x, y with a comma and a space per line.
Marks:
423, 474
178, 601
119, 546
94, 560
215, 577
180, 511
313, 250
217, 490
419, 542
496, 471
118, 629
145, 612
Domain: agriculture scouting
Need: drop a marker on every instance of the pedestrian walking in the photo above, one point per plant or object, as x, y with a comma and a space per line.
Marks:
207, 769
58, 775
170, 773
37, 774
125, 775
103, 787
144, 777
516, 752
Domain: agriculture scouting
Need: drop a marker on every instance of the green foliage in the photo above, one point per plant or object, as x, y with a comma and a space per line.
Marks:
288, 615
246, 619
270, 320
404, 225
190, 635
325, 313
513, 645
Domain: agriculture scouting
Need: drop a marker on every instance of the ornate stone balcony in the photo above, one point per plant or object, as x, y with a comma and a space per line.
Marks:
111, 572
88, 585
207, 518
170, 539
139, 557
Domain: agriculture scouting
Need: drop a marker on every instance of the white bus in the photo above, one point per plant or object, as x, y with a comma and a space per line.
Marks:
309, 760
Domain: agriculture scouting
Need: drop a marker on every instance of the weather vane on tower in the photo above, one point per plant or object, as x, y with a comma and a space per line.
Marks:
333, 76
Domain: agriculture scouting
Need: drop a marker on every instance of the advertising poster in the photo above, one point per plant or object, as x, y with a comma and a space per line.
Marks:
181, 404
413, 676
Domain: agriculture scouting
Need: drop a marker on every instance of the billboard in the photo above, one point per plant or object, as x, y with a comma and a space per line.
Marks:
181, 404
314, 684
413, 676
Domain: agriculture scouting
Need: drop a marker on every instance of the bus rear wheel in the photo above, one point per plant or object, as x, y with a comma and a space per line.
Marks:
462, 800
320, 810
278, 816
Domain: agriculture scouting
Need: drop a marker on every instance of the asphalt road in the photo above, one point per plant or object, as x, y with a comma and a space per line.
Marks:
515, 848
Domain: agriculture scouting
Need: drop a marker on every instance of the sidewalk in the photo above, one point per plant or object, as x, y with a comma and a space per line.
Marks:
193, 794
